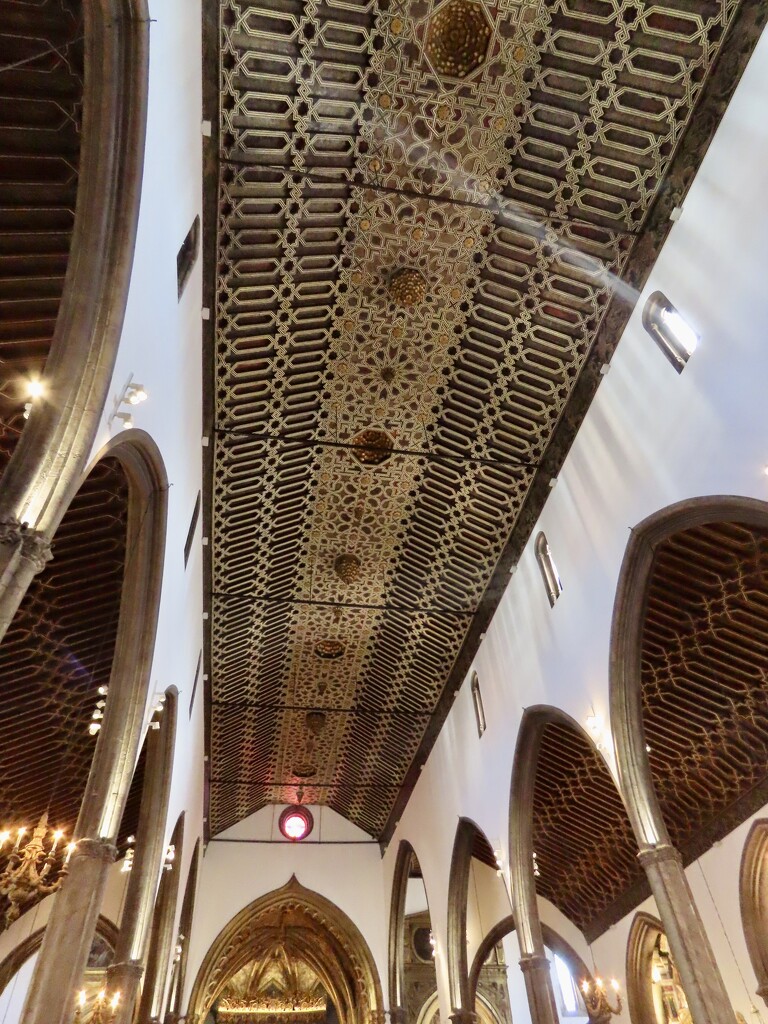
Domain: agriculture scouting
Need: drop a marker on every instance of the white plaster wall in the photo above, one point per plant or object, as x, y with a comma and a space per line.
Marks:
651, 438
339, 861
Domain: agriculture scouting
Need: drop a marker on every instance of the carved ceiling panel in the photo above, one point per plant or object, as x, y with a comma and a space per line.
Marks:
41, 88
586, 854
705, 681
53, 659
425, 211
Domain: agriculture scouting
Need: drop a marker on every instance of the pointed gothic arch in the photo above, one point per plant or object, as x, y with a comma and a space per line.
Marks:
324, 935
685, 580
753, 897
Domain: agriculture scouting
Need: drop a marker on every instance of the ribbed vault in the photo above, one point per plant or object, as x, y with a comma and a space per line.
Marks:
418, 269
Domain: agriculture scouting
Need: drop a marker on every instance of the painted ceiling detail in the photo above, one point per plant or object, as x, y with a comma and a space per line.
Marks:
425, 211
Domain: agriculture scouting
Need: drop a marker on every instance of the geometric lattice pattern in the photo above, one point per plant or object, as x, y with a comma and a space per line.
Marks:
705, 680
57, 652
518, 193
41, 89
585, 849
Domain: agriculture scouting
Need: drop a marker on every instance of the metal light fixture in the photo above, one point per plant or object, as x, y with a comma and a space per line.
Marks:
34, 868
133, 394
599, 1010
104, 1010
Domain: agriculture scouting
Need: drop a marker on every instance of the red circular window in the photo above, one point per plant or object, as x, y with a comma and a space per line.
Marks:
296, 823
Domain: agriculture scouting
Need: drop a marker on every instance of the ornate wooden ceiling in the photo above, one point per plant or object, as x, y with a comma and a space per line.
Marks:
585, 851
41, 87
56, 655
705, 681
423, 210
705, 713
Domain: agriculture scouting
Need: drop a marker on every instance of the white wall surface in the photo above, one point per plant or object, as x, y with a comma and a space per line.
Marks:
651, 438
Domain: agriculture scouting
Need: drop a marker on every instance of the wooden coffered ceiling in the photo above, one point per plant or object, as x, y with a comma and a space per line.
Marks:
705, 715
424, 211
41, 92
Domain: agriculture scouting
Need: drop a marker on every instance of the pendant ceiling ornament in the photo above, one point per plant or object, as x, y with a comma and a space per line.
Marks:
425, 211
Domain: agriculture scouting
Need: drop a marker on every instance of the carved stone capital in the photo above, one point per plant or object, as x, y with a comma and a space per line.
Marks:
661, 854
534, 962
464, 1017
36, 549
126, 969
96, 849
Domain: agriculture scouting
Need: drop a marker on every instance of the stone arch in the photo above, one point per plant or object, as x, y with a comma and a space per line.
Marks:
697, 521
643, 936
75, 907
44, 469
575, 780
753, 897
405, 853
466, 841
353, 981
552, 940
18, 956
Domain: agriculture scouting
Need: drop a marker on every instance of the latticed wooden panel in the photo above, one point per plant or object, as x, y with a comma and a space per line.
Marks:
705, 681
425, 212
41, 93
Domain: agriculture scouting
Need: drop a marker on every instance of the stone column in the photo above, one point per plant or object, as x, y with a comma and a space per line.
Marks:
23, 554
124, 976
68, 935
703, 985
538, 988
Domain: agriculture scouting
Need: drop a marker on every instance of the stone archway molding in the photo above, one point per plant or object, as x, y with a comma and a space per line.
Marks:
458, 890
75, 910
240, 940
682, 924
753, 897
18, 956
643, 936
552, 940
44, 471
405, 854
525, 909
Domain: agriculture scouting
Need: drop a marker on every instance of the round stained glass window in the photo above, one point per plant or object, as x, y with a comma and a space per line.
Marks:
296, 823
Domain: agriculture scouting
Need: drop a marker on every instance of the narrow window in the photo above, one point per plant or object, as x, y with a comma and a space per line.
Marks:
548, 569
668, 328
477, 701
194, 684
187, 255
191, 530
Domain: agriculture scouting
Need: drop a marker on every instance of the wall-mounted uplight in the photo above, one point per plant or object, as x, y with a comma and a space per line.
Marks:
670, 330
35, 390
133, 394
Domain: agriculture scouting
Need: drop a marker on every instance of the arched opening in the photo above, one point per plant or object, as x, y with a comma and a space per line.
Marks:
16, 969
77, 101
477, 900
55, 664
181, 949
753, 893
689, 709
496, 957
570, 841
412, 974
654, 988
290, 950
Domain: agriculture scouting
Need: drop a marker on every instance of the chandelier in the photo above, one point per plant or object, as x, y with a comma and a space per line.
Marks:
33, 868
599, 1010
104, 1010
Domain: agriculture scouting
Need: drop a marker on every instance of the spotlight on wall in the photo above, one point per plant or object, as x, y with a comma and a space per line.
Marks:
132, 394
35, 390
